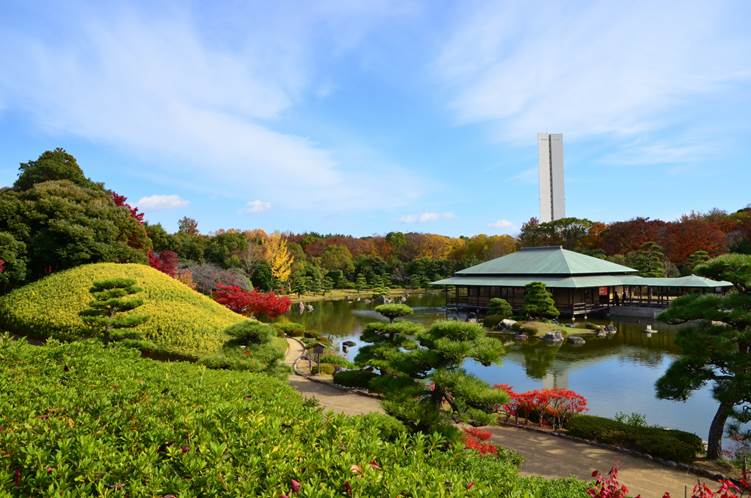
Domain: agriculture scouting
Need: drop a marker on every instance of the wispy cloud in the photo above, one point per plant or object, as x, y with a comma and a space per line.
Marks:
157, 202
586, 70
502, 223
427, 217
257, 207
202, 107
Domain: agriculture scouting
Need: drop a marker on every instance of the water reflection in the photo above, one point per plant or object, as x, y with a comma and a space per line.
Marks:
615, 373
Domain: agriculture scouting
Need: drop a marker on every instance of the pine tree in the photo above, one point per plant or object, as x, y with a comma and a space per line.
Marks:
538, 302
427, 387
300, 285
107, 312
696, 258
360, 283
328, 284
717, 348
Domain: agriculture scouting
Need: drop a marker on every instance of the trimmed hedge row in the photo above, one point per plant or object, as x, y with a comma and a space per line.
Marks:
80, 419
670, 444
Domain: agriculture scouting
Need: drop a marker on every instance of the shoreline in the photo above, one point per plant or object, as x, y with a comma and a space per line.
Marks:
353, 295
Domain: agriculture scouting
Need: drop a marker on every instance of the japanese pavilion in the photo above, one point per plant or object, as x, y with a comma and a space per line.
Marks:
580, 284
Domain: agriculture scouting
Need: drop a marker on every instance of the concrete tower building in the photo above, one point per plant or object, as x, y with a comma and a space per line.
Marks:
552, 201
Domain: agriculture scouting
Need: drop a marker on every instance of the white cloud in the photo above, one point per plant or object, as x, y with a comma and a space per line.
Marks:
203, 104
256, 207
426, 217
502, 223
589, 69
156, 202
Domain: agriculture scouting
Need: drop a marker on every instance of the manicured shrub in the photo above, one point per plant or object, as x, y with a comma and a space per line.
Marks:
538, 301
499, 307
292, 329
337, 360
261, 305
554, 406
492, 321
673, 445
393, 311
354, 378
389, 428
251, 332
80, 419
181, 321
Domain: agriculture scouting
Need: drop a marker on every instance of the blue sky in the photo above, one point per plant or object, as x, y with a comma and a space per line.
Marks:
368, 117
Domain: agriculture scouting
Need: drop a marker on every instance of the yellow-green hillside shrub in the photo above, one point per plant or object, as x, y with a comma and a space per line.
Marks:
181, 320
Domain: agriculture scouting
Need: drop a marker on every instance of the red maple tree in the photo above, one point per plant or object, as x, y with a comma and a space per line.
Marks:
165, 262
262, 305
120, 201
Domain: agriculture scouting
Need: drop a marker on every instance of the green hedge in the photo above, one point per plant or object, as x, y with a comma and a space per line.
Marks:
669, 444
80, 419
292, 329
354, 378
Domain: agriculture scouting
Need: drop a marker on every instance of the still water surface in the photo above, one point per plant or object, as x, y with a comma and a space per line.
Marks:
615, 374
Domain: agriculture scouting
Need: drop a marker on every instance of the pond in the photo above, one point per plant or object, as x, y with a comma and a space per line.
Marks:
615, 374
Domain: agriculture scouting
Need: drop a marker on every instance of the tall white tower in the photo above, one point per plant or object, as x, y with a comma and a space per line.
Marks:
552, 202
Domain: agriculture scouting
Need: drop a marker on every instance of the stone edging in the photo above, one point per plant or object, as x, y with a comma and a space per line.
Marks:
668, 463
352, 390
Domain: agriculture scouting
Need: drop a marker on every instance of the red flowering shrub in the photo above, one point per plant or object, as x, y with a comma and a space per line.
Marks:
473, 439
553, 406
165, 262
2, 265
607, 486
120, 201
262, 305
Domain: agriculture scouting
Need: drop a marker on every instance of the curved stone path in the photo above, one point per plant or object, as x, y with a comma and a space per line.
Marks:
544, 455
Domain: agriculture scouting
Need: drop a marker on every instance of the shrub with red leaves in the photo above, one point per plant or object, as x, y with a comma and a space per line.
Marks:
262, 305
165, 262
553, 406
2, 265
120, 201
473, 439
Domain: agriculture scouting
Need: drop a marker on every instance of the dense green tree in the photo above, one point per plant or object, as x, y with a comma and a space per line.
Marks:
538, 302
64, 225
337, 258
160, 239
393, 311
384, 342
299, 284
649, 260
226, 249
12, 261
260, 275
696, 258
111, 307
190, 247
716, 347
371, 267
52, 165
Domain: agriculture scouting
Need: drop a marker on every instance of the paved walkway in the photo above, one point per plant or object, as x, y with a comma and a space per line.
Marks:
544, 455
329, 397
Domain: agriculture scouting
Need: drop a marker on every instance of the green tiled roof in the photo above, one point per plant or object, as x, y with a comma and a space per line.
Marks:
550, 261
584, 281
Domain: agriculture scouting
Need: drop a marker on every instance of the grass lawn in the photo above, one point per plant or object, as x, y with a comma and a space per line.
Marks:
542, 328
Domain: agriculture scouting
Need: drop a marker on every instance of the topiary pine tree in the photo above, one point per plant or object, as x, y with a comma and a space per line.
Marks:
327, 285
538, 302
393, 311
360, 283
717, 349
431, 389
107, 313
385, 341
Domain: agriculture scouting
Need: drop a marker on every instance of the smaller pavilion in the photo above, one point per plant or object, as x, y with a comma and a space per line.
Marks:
580, 284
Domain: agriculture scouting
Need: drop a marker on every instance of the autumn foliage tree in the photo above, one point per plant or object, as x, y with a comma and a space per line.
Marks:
279, 258
165, 262
261, 305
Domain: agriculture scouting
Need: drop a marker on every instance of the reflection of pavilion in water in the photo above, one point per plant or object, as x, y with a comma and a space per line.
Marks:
556, 378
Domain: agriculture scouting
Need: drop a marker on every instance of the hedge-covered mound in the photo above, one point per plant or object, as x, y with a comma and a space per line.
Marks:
181, 320
670, 444
81, 419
